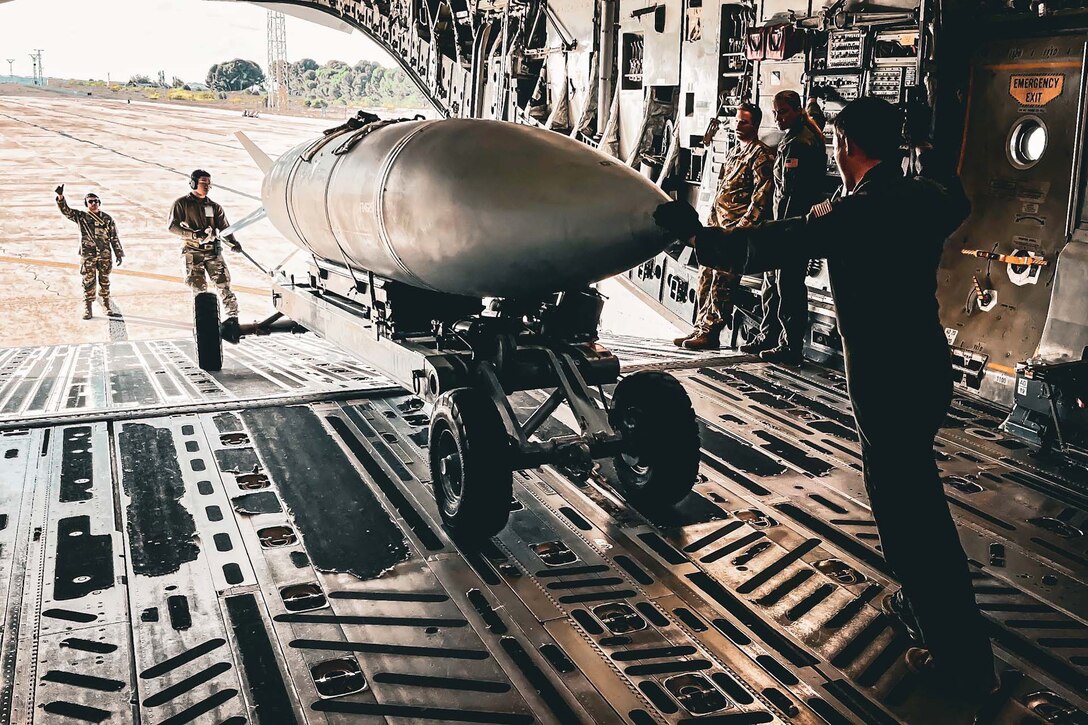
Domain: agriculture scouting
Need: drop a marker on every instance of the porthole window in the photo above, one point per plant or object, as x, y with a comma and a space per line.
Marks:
1027, 142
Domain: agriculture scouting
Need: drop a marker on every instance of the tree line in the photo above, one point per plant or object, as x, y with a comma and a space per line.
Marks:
335, 83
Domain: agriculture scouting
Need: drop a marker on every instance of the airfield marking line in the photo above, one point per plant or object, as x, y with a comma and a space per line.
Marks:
124, 272
50, 108
113, 193
120, 153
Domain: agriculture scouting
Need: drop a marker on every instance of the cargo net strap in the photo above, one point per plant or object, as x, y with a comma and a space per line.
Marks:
359, 120
359, 125
360, 134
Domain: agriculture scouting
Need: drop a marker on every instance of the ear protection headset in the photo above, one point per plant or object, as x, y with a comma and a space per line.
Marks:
90, 196
195, 176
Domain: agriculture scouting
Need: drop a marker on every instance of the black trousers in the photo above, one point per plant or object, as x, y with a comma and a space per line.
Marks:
897, 422
785, 307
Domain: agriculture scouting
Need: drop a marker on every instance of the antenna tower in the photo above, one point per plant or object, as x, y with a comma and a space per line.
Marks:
278, 86
36, 62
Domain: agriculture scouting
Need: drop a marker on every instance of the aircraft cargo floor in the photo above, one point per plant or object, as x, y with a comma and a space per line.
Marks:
261, 545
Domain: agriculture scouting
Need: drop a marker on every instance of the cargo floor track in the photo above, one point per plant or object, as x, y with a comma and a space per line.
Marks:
261, 545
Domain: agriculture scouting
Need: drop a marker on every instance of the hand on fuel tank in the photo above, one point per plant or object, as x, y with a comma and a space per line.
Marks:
233, 245
679, 218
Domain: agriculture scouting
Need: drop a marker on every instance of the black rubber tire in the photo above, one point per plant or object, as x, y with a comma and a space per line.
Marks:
474, 495
209, 345
660, 463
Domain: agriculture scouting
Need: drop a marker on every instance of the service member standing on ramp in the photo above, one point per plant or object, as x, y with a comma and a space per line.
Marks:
880, 212
98, 246
744, 195
198, 220
800, 173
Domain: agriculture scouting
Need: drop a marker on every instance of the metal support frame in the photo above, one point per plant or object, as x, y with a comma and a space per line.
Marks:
275, 323
1054, 417
430, 366
545, 409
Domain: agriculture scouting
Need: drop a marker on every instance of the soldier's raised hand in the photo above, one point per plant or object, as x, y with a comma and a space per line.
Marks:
60, 191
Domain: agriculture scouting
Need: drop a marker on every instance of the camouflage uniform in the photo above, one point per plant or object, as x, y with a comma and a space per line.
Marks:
98, 245
745, 190
188, 219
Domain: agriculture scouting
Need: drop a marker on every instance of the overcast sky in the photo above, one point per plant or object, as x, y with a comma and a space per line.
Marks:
90, 38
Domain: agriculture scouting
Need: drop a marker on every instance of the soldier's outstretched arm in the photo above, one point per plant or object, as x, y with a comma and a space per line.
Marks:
776, 244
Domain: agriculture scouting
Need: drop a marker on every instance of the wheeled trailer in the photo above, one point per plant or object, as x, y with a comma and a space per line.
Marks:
465, 361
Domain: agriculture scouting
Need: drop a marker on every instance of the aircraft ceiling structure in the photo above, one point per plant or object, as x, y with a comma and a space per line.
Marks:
302, 11
451, 51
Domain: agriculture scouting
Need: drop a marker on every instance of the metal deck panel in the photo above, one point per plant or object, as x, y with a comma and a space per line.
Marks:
756, 602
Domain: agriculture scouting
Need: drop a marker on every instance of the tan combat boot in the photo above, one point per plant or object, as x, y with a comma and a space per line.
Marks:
87, 310
679, 341
708, 340
106, 306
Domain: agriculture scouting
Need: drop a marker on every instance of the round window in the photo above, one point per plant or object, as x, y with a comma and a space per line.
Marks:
1027, 142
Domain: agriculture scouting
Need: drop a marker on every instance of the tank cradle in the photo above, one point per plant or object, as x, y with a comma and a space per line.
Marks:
466, 367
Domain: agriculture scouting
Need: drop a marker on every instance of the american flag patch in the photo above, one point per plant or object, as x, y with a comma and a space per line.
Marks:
821, 209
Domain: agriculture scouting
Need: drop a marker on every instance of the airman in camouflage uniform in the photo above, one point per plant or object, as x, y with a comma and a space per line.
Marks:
98, 246
745, 190
198, 220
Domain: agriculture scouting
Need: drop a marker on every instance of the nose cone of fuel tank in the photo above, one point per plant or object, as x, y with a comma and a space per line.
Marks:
498, 209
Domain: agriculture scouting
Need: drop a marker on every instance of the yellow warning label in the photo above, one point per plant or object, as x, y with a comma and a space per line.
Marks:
1036, 90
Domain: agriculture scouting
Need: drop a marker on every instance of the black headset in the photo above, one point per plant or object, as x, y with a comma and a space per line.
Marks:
90, 196
195, 176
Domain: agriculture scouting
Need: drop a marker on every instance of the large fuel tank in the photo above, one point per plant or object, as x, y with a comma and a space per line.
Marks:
467, 207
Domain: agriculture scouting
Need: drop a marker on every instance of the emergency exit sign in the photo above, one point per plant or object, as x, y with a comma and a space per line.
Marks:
1036, 90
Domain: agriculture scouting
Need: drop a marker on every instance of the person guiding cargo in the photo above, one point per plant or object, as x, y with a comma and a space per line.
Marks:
199, 221
98, 246
877, 207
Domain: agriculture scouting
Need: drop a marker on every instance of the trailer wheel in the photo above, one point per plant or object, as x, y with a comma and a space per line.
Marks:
470, 465
660, 459
209, 345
